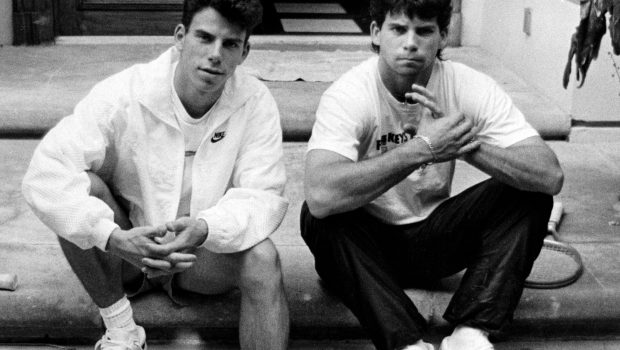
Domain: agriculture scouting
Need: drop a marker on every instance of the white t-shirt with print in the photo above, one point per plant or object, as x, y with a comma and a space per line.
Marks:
193, 132
359, 119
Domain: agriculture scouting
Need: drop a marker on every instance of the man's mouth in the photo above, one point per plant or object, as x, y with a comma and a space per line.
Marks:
411, 59
212, 71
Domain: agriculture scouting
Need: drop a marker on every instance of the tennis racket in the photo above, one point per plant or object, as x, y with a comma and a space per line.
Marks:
558, 264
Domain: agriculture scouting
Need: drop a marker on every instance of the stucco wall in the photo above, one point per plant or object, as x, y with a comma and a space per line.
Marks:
472, 27
540, 58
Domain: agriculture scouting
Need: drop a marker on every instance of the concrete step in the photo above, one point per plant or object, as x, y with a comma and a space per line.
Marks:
51, 305
40, 85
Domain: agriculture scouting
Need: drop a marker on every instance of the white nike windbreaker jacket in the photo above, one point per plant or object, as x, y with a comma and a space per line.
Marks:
125, 131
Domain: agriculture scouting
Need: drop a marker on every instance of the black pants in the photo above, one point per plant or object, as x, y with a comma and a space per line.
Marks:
493, 230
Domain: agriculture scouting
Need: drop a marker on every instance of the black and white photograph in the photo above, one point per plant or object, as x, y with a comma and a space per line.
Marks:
310, 174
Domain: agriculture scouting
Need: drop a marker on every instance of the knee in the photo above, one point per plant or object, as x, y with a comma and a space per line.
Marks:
98, 187
310, 226
537, 204
261, 272
69, 249
330, 231
535, 209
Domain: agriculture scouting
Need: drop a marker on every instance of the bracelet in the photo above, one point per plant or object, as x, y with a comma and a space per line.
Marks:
428, 143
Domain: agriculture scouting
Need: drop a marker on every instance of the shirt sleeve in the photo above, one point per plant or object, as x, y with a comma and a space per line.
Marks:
503, 124
56, 185
339, 124
254, 206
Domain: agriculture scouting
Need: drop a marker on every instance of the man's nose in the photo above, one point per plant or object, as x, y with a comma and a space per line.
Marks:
215, 52
411, 41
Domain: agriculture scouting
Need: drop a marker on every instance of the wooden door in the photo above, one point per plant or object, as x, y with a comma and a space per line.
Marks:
119, 17
158, 17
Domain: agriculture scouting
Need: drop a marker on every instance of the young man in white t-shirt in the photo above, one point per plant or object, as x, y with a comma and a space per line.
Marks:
170, 175
379, 167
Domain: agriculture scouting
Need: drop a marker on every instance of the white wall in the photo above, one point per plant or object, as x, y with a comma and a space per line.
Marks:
540, 58
599, 98
471, 22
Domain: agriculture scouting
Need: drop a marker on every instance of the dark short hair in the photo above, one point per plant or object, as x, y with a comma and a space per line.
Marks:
425, 9
245, 13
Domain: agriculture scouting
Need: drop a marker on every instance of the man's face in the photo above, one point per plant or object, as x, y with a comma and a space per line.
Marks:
408, 46
211, 48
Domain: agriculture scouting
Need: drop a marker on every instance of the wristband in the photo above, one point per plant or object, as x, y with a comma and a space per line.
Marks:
428, 143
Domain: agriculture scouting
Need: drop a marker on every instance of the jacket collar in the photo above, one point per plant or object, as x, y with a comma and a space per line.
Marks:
157, 89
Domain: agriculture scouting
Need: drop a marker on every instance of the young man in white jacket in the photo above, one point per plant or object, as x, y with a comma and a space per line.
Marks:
170, 174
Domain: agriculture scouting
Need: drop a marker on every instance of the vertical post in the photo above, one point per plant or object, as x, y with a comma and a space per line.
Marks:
6, 22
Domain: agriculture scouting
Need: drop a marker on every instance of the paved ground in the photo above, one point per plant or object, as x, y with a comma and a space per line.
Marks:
351, 345
40, 85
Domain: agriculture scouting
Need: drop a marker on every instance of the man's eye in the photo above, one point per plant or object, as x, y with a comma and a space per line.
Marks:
399, 30
425, 31
205, 38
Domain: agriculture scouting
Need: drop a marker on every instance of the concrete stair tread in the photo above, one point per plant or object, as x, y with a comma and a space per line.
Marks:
40, 85
50, 301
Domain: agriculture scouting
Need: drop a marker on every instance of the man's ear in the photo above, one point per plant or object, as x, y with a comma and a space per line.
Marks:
374, 33
179, 36
246, 50
444, 39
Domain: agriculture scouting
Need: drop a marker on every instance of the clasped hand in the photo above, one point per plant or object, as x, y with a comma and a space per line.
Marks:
451, 135
143, 246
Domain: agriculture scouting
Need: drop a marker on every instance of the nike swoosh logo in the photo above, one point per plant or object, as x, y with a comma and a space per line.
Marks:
217, 137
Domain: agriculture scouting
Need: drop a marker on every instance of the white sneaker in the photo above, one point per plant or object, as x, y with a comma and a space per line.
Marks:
118, 339
466, 338
420, 345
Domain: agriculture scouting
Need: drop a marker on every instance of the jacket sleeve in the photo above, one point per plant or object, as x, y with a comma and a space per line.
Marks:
56, 185
254, 206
